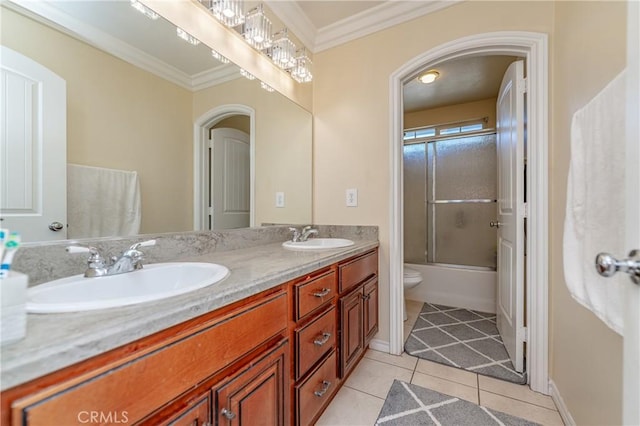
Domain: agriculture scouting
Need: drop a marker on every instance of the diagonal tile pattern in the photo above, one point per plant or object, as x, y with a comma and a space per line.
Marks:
409, 404
463, 339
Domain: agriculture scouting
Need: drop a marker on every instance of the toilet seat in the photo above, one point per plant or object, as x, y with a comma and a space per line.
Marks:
411, 277
411, 273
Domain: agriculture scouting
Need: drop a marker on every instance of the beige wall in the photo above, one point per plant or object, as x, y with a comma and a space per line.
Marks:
351, 150
588, 51
283, 147
452, 113
121, 117
351, 111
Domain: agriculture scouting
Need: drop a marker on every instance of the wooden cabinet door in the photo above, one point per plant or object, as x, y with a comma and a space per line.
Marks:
258, 394
198, 414
370, 310
352, 338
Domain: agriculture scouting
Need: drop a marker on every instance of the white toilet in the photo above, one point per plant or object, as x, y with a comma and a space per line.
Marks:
411, 278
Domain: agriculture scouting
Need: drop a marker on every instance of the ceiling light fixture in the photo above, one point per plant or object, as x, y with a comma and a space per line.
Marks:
428, 77
283, 51
144, 10
187, 37
229, 12
257, 28
301, 71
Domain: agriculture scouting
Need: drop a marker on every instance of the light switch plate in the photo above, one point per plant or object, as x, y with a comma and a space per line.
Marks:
352, 197
279, 199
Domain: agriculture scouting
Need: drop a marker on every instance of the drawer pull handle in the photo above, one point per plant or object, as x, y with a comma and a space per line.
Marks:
325, 387
365, 296
322, 340
228, 414
322, 293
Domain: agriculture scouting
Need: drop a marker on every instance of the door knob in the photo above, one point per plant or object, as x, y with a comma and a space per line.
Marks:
495, 224
607, 265
56, 226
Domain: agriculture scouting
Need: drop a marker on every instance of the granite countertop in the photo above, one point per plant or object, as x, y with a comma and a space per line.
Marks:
55, 341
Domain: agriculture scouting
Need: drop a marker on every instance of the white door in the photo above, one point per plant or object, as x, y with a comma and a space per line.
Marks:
230, 179
33, 149
631, 356
510, 149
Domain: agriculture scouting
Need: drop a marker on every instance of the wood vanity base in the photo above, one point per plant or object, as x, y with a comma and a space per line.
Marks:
275, 358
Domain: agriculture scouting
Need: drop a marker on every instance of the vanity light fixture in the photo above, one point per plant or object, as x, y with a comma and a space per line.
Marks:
229, 12
266, 87
428, 77
283, 51
302, 71
144, 10
247, 74
187, 37
257, 28
219, 57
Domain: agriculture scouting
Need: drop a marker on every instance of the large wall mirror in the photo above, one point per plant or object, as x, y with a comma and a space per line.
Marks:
148, 103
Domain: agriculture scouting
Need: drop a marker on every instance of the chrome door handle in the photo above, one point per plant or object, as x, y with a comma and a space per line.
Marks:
228, 414
495, 224
607, 265
322, 293
56, 226
322, 339
325, 387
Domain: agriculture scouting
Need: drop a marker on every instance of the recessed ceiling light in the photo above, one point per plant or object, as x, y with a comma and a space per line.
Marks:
428, 77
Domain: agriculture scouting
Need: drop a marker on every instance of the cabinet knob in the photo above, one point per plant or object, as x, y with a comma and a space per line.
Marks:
325, 387
322, 339
322, 293
228, 414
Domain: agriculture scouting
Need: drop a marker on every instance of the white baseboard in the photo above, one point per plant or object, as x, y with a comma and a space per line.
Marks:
562, 408
379, 345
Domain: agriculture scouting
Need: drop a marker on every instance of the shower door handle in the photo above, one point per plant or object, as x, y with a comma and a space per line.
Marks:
495, 224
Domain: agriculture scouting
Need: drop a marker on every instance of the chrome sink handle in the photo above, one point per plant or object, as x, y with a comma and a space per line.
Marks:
96, 266
147, 243
296, 234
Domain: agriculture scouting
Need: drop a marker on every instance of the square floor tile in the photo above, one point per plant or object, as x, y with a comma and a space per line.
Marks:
448, 373
447, 387
351, 408
404, 360
512, 390
376, 378
534, 413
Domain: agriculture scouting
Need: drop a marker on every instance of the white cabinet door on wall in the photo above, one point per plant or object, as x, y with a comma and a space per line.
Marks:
33, 149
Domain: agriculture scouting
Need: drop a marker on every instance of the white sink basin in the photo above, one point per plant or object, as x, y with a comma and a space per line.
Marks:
153, 282
318, 244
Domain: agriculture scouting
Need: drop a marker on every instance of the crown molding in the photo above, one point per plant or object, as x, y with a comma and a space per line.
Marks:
295, 20
375, 19
51, 16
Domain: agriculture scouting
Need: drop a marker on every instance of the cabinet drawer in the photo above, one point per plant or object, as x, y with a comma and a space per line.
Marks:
311, 295
357, 270
139, 386
314, 340
313, 394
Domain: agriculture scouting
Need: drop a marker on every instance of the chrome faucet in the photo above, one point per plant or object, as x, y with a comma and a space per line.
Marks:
300, 236
130, 260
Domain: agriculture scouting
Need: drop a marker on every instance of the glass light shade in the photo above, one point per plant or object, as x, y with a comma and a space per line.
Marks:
229, 12
219, 57
144, 10
187, 37
429, 77
266, 87
246, 74
302, 70
283, 51
257, 28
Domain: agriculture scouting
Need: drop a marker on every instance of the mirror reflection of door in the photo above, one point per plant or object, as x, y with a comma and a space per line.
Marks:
33, 151
229, 175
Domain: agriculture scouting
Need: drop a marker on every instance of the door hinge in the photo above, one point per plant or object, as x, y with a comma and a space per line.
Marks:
210, 211
525, 210
210, 143
523, 85
523, 334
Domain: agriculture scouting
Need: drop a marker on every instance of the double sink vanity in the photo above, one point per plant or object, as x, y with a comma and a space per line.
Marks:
270, 342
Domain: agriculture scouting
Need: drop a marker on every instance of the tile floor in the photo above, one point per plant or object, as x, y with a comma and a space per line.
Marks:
360, 399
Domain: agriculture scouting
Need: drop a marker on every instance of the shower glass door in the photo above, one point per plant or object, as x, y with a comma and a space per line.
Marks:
450, 198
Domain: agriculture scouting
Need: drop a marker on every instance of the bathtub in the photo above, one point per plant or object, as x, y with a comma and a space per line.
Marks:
455, 286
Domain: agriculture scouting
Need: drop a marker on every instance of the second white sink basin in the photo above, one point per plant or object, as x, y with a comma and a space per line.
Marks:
318, 244
153, 282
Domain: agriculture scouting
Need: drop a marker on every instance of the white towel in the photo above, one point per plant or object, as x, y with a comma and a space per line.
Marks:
102, 202
594, 219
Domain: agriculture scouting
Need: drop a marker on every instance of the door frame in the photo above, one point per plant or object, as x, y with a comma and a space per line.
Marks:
534, 48
201, 129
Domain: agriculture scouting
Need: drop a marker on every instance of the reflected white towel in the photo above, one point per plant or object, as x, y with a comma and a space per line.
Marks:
594, 219
102, 202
